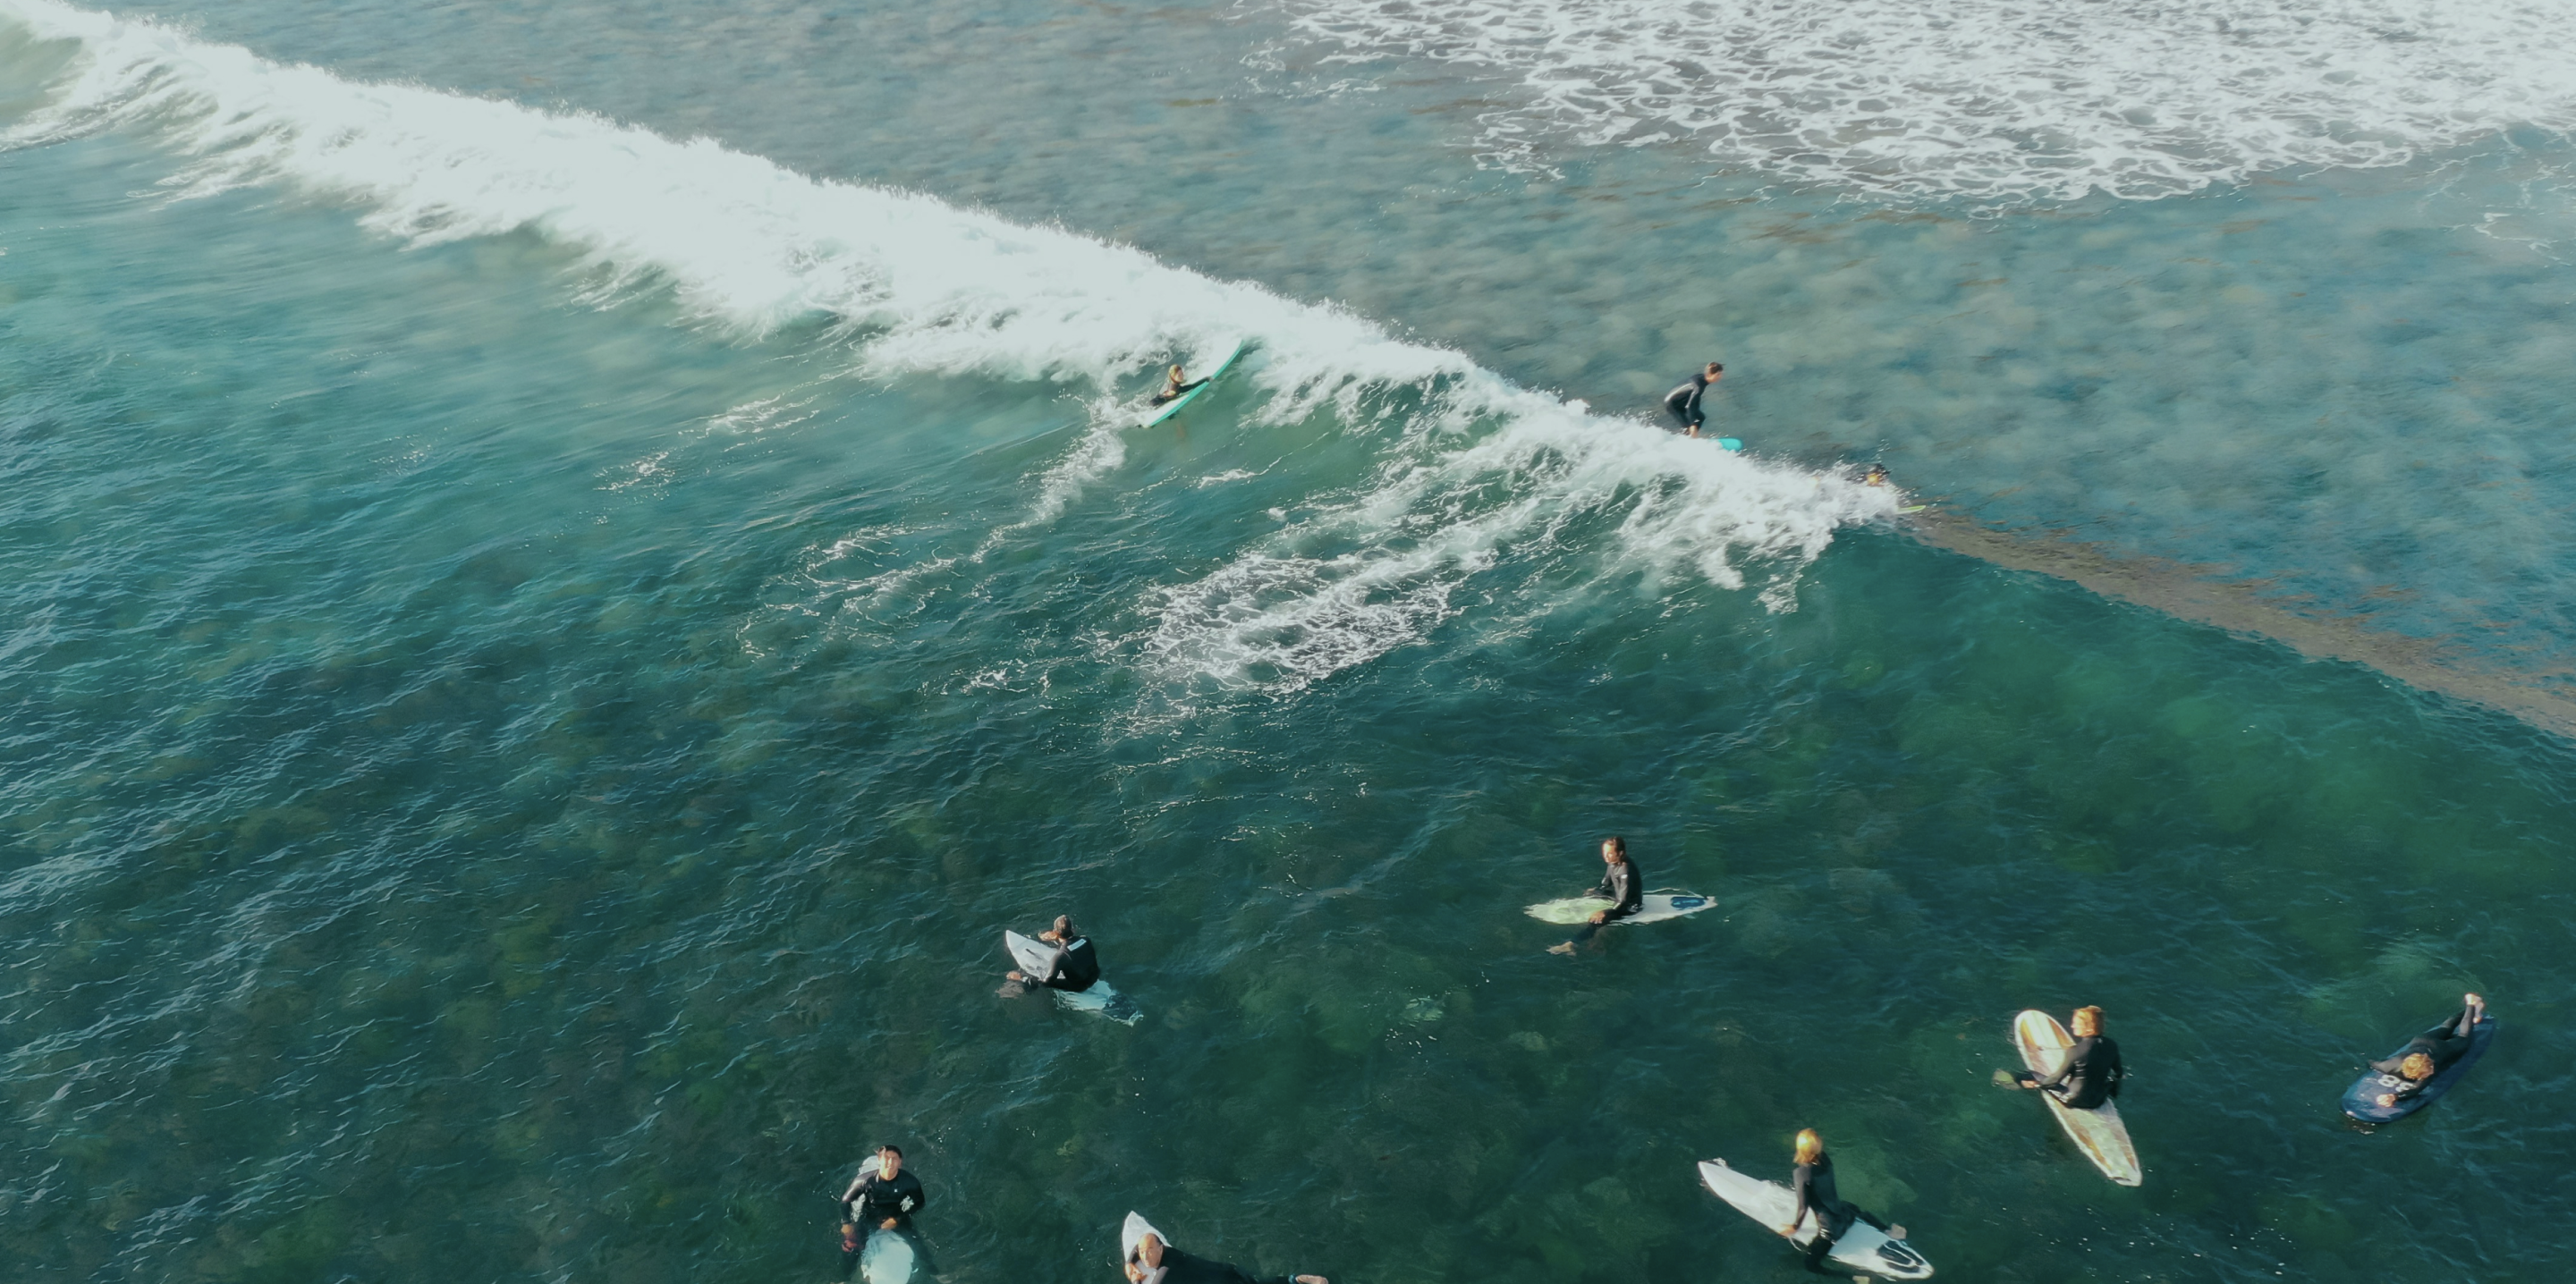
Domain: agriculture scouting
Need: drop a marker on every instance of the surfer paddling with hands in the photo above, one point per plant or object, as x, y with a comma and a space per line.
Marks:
2091, 1073
1075, 965
2431, 1052
1621, 885
882, 1197
1155, 1262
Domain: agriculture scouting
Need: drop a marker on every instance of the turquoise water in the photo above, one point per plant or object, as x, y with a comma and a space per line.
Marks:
544, 653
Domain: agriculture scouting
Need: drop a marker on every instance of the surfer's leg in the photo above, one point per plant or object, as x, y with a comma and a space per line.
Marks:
1817, 1249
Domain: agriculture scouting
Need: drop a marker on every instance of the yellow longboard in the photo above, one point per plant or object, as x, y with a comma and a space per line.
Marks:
2097, 1132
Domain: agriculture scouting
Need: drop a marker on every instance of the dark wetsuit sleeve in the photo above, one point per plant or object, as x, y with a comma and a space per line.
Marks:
1169, 393
1798, 1183
2076, 1058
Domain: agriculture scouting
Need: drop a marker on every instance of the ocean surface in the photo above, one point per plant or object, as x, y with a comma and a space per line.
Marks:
567, 568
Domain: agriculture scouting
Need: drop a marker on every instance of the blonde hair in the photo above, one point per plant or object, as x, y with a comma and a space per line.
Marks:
2417, 1065
1176, 370
2088, 1021
1810, 1145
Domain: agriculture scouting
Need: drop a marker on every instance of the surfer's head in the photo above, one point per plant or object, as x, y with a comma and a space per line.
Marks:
1714, 370
2417, 1066
1064, 926
1877, 476
889, 1162
1176, 372
2088, 1022
1810, 1145
1614, 849
1149, 1250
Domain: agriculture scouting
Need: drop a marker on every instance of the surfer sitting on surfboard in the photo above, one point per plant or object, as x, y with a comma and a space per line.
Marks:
2431, 1052
2091, 1073
1175, 385
1813, 1184
1075, 966
1155, 1262
1620, 882
883, 1197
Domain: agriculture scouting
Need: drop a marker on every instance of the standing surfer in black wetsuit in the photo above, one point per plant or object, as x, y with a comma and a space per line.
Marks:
2431, 1052
1074, 966
2091, 1073
1155, 1262
882, 1197
1684, 401
1175, 384
1813, 1184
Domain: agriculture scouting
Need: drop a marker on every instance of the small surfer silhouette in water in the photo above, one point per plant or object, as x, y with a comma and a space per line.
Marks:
1075, 966
2091, 1073
1621, 885
1684, 400
1175, 385
1155, 1262
2431, 1052
1813, 1184
1876, 476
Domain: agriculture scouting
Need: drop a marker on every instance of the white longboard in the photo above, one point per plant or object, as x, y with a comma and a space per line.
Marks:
1136, 1228
888, 1258
1034, 956
1658, 906
2097, 1132
1863, 1247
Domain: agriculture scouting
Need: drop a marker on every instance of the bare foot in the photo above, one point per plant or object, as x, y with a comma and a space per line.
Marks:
1312, 1279
1567, 948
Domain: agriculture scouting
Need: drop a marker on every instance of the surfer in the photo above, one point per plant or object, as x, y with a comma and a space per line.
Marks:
2091, 1073
882, 1197
1876, 476
1813, 1184
1620, 882
1175, 385
2431, 1052
1155, 1262
1684, 400
1074, 966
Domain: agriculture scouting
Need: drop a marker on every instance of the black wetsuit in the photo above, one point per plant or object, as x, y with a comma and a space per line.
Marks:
1684, 401
2445, 1043
1172, 392
878, 1199
1076, 967
2090, 1076
1184, 1268
1625, 887
1813, 1184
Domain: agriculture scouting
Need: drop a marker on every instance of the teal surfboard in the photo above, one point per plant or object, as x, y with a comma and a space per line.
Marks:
1173, 407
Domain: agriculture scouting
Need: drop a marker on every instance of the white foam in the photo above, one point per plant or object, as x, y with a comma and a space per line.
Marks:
1993, 98
1475, 471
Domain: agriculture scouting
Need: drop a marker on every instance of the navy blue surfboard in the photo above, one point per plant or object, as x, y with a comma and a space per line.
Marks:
2361, 1100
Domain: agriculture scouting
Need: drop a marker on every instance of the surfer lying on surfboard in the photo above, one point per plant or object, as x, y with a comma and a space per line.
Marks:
1155, 1262
2431, 1052
2092, 1072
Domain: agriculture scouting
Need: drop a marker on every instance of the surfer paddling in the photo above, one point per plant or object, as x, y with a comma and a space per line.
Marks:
2091, 1073
1684, 401
1155, 1262
1075, 965
2431, 1052
883, 1197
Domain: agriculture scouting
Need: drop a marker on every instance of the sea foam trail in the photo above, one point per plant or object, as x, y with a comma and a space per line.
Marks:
2014, 99
1476, 468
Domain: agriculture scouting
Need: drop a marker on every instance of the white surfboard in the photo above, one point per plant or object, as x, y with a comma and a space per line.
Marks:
1033, 956
1862, 1248
1658, 906
2097, 1132
888, 1258
1133, 1229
